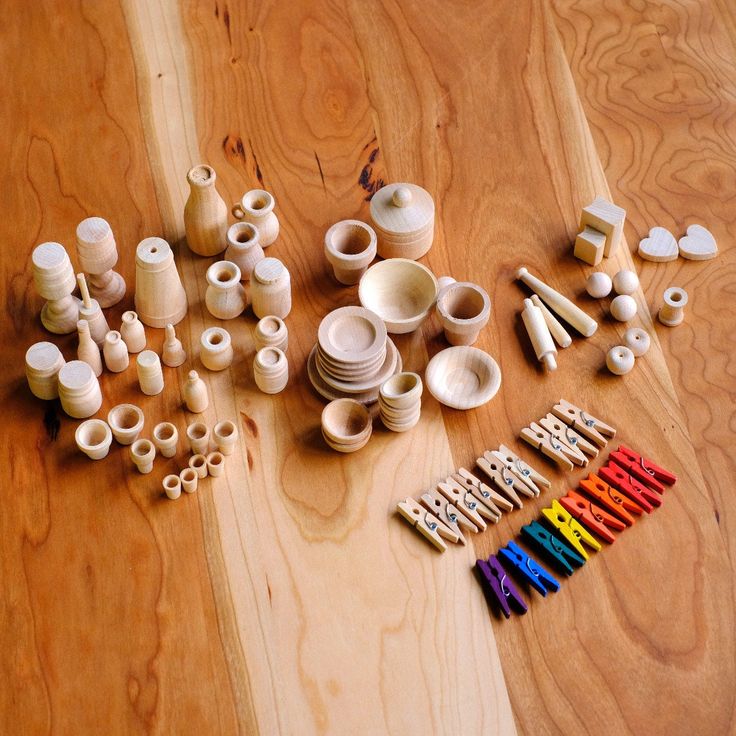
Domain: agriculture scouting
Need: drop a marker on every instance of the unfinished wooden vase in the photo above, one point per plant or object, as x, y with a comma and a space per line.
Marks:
98, 255
43, 363
216, 349
205, 213
244, 248
90, 311
257, 208
173, 351
463, 310
54, 278
198, 463
194, 393
172, 486
271, 289
160, 298
215, 464
271, 332
350, 247
115, 352
189, 480
150, 374
271, 370
225, 296
79, 390
133, 332
87, 349
93, 438
198, 436
143, 453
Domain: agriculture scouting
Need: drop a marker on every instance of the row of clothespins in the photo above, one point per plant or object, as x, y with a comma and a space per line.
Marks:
625, 488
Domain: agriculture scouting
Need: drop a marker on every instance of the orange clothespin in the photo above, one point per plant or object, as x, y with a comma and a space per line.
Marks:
557, 451
482, 492
592, 428
611, 499
571, 529
595, 518
561, 431
428, 525
446, 512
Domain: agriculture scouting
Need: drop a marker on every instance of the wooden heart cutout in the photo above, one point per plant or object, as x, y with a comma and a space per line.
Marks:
698, 245
660, 246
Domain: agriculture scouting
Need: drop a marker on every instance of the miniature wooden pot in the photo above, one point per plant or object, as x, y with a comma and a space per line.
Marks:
93, 438
198, 435
271, 370
189, 480
244, 248
43, 363
256, 207
198, 463
216, 349
402, 391
225, 436
346, 425
165, 437
463, 309
350, 247
271, 332
225, 297
126, 422
271, 289
143, 452
215, 464
79, 390
172, 486
205, 213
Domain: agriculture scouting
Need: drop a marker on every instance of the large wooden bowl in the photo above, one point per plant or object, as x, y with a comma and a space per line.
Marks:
463, 377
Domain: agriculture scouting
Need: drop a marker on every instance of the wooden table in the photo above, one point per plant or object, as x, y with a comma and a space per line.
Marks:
287, 597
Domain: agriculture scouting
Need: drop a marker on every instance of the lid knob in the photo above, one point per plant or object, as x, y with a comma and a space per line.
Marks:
402, 197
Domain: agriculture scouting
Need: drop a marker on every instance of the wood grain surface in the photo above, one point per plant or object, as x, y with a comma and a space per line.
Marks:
286, 596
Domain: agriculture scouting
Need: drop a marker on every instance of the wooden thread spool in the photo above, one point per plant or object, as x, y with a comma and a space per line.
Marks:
271, 370
271, 332
215, 464
244, 248
87, 349
143, 453
225, 436
160, 298
173, 352
672, 311
205, 213
350, 247
43, 363
257, 208
189, 480
539, 334
98, 255
225, 296
90, 311
172, 486
198, 436
93, 438
150, 374
464, 310
115, 352
216, 349
198, 463
165, 437
133, 332
195, 393
79, 390
54, 278
271, 289
126, 422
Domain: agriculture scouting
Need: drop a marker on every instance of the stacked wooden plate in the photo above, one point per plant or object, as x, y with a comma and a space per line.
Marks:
346, 425
353, 356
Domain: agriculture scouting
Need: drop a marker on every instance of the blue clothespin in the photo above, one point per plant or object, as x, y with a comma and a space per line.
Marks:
528, 568
500, 586
553, 546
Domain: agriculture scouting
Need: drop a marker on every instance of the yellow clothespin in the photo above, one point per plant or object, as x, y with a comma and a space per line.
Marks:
571, 529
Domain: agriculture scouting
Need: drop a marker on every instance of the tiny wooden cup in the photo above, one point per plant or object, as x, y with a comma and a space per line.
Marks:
198, 463
463, 309
198, 434
189, 480
143, 453
402, 391
172, 486
126, 422
94, 438
225, 435
165, 437
350, 247
215, 464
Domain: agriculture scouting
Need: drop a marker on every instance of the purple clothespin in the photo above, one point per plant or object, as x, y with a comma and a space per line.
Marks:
501, 586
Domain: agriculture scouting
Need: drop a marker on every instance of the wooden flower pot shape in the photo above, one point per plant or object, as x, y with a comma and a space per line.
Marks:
205, 213
160, 298
350, 247
256, 207
225, 297
244, 248
463, 310
126, 422
93, 438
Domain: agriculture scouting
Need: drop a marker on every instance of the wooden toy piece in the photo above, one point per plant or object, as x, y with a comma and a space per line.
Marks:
271, 370
244, 248
525, 471
608, 497
466, 503
115, 352
346, 425
98, 255
559, 333
400, 401
195, 393
463, 377
485, 493
198, 463
659, 246
539, 334
173, 351
400, 291
623, 308
505, 481
589, 246
572, 531
160, 298
559, 304
590, 427
486, 506
637, 340
403, 217
87, 349
54, 278
619, 360
600, 522
542, 440
608, 218
225, 296
172, 486
672, 312
698, 245
528, 568
165, 437
463, 310
215, 464
189, 479
79, 390
350, 247
93, 438
500, 586
645, 470
43, 363
205, 213
271, 332
126, 422
143, 453
198, 436
225, 436
561, 431
89, 310
557, 551
150, 374
215, 349
622, 481
625, 282
257, 207
598, 285
447, 513
133, 332
444, 281
428, 525
271, 289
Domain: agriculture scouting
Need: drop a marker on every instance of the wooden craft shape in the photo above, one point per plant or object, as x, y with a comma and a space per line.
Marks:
126, 422
225, 296
43, 363
698, 245
271, 332
446, 512
598, 285
257, 207
87, 349
54, 278
133, 332
560, 335
561, 431
625, 282
346, 425
173, 352
608, 218
572, 531
426, 523
672, 312
215, 464
271, 370
525, 471
463, 309
98, 255
115, 352
589, 246
600, 522
271, 289
189, 479
560, 305
483, 492
610, 499
350, 247
539, 334
528, 568
79, 390
198, 436
172, 486
659, 246
467, 503
623, 308
93, 438
552, 448
637, 340
244, 248
620, 360
505, 481
463, 377
143, 453
89, 310
585, 423
500, 587
225, 436
195, 393
166, 438
215, 349
160, 298
205, 213
150, 374
198, 463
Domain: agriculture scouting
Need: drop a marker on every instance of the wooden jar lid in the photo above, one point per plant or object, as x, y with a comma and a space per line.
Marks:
402, 209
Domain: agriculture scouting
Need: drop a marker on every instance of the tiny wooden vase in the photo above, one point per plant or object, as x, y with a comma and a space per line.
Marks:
126, 422
87, 349
43, 363
93, 438
79, 390
271, 289
205, 213
198, 436
215, 464
115, 352
216, 349
55, 281
225, 297
133, 332
244, 248
160, 298
172, 486
463, 309
256, 207
225, 436
350, 247
143, 453
195, 393
98, 254
165, 437
189, 480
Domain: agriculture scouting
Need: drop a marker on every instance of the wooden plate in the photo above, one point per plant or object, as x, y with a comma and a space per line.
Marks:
351, 334
463, 377
383, 373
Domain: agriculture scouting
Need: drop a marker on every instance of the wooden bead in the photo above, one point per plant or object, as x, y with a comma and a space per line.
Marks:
198, 463
464, 310
98, 255
244, 248
198, 436
195, 393
625, 282
215, 464
215, 349
160, 298
189, 480
205, 214
93, 438
225, 296
672, 311
619, 360
133, 332
271, 332
143, 453
150, 374
539, 335
598, 285
172, 486
225, 436
90, 311
623, 308
637, 340
43, 363
115, 352
350, 247
54, 278
271, 370
87, 349
271, 289
257, 208
126, 422
165, 437
79, 390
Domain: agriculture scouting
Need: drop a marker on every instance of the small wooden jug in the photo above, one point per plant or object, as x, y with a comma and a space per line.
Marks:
205, 213
256, 207
225, 296
244, 248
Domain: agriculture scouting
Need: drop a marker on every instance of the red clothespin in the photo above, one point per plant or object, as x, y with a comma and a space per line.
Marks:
616, 476
610, 498
645, 470
594, 517
500, 586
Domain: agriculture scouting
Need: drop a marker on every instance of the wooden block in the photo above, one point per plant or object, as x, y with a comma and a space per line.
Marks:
606, 217
589, 246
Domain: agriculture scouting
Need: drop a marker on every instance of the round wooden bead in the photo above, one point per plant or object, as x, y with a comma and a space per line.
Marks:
598, 285
620, 360
623, 308
637, 340
625, 282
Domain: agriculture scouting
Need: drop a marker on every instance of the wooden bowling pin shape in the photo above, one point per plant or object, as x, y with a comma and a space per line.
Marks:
54, 278
173, 352
205, 213
90, 311
98, 254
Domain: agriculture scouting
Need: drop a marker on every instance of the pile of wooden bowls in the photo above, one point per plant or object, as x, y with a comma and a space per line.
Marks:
400, 401
346, 425
353, 356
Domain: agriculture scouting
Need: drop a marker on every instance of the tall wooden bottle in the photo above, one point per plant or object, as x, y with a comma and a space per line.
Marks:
160, 298
205, 213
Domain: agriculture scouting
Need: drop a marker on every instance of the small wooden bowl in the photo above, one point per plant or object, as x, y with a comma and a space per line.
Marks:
400, 291
126, 422
402, 391
351, 335
463, 309
346, 423
350, 247
463, 377
94, 438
